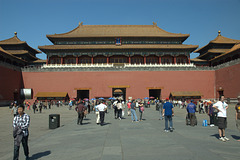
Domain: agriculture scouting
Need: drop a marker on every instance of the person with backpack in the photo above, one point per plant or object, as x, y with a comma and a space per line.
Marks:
191, 109
141, 110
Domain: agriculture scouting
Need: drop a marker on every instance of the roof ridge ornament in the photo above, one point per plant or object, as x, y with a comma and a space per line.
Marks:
219, 33
80, 23
15, 33
154, 24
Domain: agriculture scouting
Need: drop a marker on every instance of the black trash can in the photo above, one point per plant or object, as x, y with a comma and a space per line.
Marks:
54, 121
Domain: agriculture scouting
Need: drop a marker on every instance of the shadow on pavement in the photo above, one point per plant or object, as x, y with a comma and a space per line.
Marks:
104, 124
86, 123
215, 135
40, 155
235, 137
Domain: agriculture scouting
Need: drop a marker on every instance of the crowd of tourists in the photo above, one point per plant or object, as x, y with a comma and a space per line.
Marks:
217, 112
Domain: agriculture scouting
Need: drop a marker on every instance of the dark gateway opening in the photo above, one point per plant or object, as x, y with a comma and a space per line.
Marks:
81, 94
119, 92
156, 93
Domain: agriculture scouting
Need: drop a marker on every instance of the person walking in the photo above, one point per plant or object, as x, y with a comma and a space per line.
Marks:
102, 108
191, 109
21, 124
119, 109
133, 111
34, 107
168, 113
160, 108
97, 114
14, 109
211, 114
40, 107
115, 109
129, 107
141, 110
237, 108
222, 107
80, 110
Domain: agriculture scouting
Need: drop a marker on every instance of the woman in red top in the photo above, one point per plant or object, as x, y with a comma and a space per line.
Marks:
129, 107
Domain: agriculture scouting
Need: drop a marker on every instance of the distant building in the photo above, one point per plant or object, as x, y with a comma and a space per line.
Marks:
218, 51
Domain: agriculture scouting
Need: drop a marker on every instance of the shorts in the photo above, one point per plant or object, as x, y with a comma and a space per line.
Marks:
222, 122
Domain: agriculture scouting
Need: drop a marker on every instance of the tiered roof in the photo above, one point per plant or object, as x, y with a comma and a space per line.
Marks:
15, 41
118, 31
218, 52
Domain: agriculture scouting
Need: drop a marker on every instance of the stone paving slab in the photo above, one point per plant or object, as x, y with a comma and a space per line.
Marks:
124, 140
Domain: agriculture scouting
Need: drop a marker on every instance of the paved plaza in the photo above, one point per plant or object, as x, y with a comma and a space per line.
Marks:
120, 139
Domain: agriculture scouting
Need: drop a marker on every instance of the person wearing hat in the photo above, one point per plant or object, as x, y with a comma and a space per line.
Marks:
168, 113
191, 109
21, 124
237, 108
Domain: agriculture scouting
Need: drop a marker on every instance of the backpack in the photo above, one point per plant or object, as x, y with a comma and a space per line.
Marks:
142, 108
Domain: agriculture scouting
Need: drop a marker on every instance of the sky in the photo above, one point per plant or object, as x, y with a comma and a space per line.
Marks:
202, 19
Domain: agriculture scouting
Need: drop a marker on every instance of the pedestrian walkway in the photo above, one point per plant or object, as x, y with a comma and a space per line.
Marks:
127, 140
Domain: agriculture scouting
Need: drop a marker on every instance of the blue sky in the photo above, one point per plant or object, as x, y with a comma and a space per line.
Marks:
34, 19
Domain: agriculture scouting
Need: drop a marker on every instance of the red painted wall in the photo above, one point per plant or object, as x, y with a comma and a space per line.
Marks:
229, 79
203, 81
10, 80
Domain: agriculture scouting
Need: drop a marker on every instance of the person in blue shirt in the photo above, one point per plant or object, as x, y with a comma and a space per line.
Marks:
168, 113
191, 109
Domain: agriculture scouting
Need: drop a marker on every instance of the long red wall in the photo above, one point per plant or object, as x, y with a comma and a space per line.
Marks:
10, 81
99, 82
229, 79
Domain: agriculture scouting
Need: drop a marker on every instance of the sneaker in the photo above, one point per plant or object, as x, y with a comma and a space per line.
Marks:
226, 138
222, 139
165, 130
171, 130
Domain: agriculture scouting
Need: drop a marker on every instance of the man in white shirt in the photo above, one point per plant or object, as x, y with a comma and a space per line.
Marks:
222, 107
102, 109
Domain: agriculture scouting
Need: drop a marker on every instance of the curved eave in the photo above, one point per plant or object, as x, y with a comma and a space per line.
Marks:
10, 55
114, 47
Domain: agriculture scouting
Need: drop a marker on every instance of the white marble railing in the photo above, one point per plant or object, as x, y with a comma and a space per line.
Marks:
111, 65
160, 65
75, 65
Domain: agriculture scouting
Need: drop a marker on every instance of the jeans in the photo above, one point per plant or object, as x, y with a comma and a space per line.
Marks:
102, 114
80, 117
168, 118
211, 116
133, 112
160, 112
25, 148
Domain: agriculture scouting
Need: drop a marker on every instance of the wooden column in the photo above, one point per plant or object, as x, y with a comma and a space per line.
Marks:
145, 59
129, 59
47, 60
107, 60
92, 59
77, 60
61, 60
189, 60
160, 59
174, 59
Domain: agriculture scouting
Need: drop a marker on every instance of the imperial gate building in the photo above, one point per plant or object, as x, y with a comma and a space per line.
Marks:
136, 61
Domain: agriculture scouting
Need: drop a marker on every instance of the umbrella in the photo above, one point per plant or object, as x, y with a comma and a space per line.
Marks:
93, 99
146, 98
110, 98
151, 97
101, 98
85, 99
